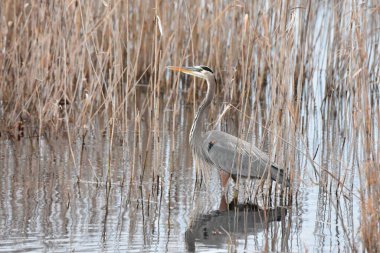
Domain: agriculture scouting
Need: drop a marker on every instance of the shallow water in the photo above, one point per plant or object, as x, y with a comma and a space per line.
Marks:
139, 191
117, 205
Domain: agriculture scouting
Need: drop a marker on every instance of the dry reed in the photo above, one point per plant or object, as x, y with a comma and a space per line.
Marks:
79, 65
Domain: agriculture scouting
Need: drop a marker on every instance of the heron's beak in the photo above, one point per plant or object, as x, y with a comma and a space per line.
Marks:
187, 70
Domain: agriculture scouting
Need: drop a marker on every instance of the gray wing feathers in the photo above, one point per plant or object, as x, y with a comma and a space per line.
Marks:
238, 157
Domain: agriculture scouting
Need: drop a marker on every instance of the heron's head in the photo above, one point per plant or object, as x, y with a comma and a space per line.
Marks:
198, 71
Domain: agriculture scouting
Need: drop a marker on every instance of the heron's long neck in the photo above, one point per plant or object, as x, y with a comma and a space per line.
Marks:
195, 137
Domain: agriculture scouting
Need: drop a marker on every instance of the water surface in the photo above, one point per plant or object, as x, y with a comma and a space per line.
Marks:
128, 198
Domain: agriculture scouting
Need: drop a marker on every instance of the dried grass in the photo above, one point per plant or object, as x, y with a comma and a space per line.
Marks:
69, 65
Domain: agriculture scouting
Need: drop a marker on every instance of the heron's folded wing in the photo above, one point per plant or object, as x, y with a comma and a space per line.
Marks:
234, 155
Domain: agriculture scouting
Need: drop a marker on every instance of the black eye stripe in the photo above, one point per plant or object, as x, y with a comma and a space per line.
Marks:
207, 69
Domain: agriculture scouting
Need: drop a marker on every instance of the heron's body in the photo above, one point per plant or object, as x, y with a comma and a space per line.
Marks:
232, 156
240, 158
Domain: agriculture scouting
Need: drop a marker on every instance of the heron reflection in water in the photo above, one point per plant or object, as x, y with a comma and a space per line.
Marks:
218, 229
222, 150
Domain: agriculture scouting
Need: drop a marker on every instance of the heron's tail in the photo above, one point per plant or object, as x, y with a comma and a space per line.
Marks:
277, 174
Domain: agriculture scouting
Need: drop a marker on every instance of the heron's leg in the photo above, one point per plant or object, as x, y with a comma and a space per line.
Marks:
224, 176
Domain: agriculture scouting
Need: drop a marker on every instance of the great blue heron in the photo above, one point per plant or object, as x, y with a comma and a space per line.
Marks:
233, 157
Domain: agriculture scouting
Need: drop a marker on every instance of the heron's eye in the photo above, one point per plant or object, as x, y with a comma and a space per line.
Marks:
207, 69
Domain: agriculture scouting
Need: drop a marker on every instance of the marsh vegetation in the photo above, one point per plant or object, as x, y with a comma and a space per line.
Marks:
94, 149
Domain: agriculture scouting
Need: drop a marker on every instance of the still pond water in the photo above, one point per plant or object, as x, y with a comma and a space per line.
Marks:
154, 202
